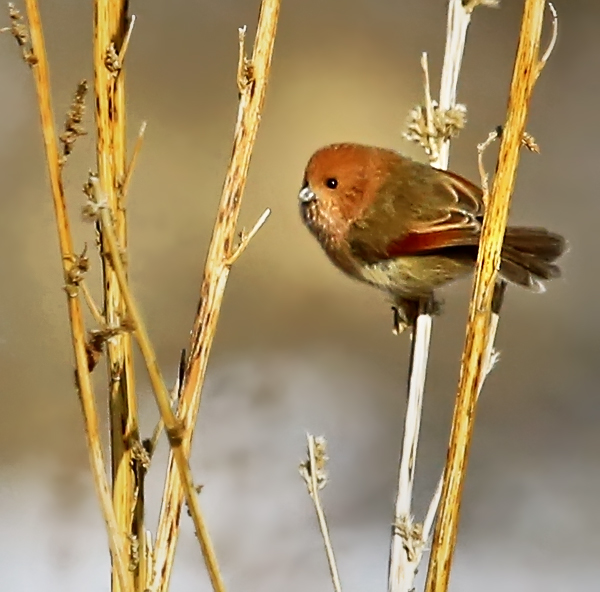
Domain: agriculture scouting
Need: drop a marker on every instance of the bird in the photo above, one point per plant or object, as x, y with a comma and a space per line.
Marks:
408, 228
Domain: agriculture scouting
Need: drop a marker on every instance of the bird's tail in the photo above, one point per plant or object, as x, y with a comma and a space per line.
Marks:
529, 255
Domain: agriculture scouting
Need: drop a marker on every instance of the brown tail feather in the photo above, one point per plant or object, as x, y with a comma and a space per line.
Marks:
546, 245
528, 256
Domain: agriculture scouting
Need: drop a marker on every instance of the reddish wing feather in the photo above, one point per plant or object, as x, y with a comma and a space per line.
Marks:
417, 243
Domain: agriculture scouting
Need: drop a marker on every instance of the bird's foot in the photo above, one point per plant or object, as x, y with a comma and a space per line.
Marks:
406, 310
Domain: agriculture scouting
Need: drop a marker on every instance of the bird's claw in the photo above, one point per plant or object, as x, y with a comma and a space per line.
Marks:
405, 311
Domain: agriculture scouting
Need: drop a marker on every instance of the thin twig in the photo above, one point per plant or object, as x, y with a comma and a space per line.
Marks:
432, 140
252, 81
481, 148
314, 473
126, 40
528, 141
474, 364
544, 59
131, 167
152, 442
246, 237
173, 426
78, 334
89, 300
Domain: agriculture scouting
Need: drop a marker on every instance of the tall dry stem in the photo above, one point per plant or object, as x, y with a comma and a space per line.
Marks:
72, 274
474, 363
253, 74
111, 26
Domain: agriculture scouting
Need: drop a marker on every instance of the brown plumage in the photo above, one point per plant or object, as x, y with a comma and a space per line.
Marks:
407, 227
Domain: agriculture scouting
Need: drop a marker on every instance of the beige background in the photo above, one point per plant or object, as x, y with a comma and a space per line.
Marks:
301, 347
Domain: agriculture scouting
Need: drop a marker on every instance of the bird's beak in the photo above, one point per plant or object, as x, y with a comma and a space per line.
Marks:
306, 194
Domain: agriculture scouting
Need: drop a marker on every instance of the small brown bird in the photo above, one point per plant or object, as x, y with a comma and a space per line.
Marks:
408, 228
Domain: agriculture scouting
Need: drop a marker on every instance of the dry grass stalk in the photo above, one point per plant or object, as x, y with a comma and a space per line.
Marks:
253, 75
432, 126
314, 473
72, 275
111, 32
475, 361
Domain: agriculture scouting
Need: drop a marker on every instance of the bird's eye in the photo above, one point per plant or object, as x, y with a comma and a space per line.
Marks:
332, 183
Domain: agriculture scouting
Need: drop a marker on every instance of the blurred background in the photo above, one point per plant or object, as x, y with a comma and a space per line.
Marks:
301, 347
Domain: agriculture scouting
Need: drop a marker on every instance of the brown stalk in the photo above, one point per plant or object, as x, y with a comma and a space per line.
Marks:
111, 28
475, 355
40, 69
253, 75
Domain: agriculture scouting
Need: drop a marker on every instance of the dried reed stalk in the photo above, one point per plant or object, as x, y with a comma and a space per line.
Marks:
475, 358
431, 125
314, 473
252, 80
38, 61
111, 34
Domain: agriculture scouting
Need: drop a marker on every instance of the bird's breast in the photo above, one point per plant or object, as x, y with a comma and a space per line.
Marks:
323, 225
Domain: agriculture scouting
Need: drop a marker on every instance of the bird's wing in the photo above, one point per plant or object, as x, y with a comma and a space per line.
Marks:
452, 217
